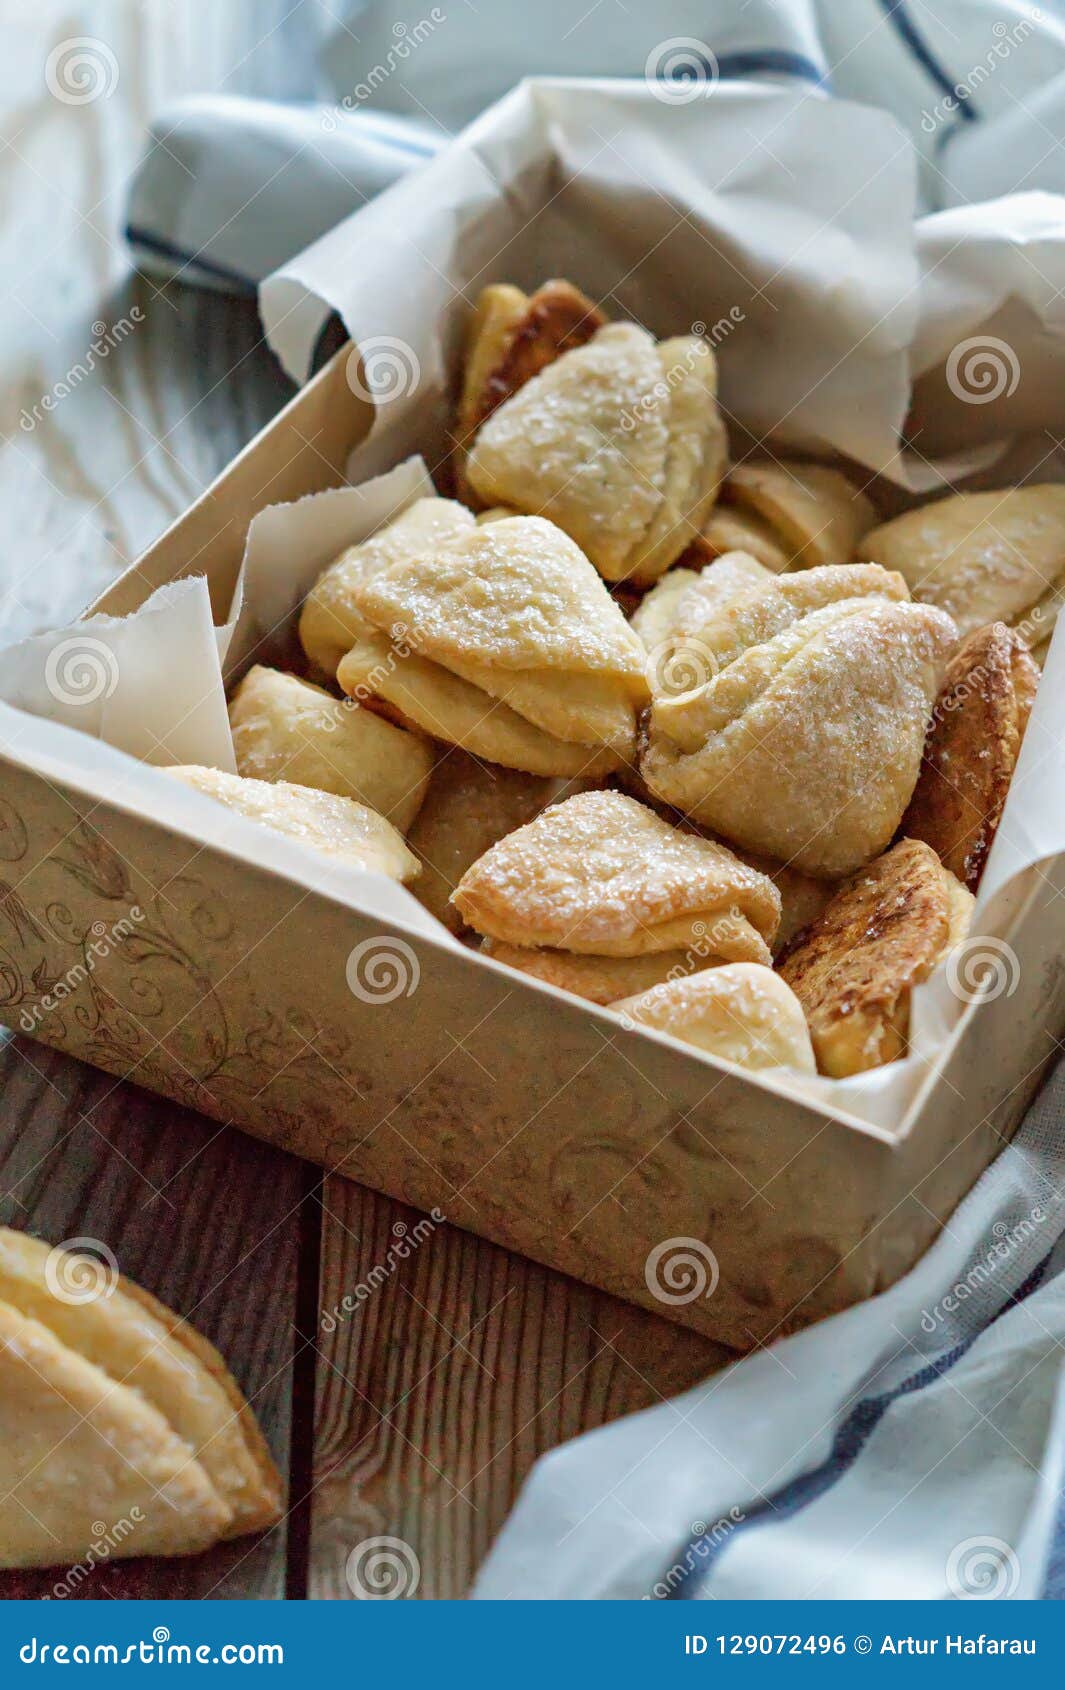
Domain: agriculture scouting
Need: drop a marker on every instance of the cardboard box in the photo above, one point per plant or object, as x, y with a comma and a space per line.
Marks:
265, 996
525, 1116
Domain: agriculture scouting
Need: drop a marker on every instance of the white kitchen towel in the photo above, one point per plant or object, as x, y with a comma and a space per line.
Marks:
230, 188
912, 1446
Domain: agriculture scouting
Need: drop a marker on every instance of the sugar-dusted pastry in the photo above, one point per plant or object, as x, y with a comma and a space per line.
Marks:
804, 741
143, 1345
735, 603
730, 528
814, 512
512, 337
115, 1409
470, 805
599, 979
853, 970
982, 557
742, 1012
511, 647
346, 831
329, 621
288, 729
618, 441
972, 748
602, 875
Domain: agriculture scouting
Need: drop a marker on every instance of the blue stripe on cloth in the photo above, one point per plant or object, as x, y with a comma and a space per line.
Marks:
771, 61
908, 33
700, 1553
190, 261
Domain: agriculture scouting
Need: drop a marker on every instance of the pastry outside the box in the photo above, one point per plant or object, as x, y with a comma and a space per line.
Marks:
114, 1409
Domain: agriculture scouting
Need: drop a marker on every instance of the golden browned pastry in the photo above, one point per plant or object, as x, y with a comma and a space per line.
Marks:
618, 441
512, 337
470, 805
329, 621
853, 970
814, 512
602, 875
982, 557
507, 644
803, 741
112, 1408
972, 748
742, 1012
288, 729
599, 979
339, 828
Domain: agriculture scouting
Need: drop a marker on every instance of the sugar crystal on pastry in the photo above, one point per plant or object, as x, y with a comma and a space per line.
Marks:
602, 875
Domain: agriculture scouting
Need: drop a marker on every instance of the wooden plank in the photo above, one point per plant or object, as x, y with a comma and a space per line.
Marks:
454, 1371
204, 1217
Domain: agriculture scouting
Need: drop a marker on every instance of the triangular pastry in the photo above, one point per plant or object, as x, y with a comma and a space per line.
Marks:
512, 337
288, 729
742, 1012
602, 875
981, 557
730, 528
972, 748
619, 442
815, 514
77, 1448
147, 1349
340, 828
470, 805
802, 744
329, 621
853, 970
507, 644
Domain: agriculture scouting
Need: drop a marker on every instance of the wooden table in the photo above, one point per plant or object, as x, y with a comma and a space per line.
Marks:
420, 1417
